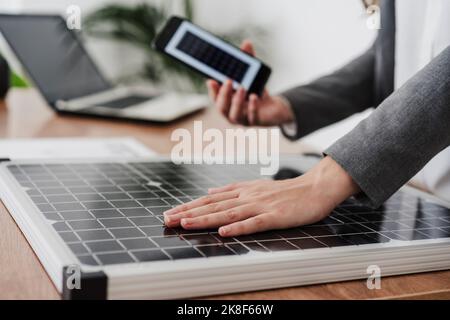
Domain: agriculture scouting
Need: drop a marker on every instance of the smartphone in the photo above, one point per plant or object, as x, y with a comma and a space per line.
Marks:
211, 56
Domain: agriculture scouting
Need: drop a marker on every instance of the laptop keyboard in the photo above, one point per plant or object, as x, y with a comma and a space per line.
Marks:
126, 102
110, 213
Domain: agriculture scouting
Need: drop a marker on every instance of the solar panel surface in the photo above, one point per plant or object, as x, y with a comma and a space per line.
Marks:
112, 213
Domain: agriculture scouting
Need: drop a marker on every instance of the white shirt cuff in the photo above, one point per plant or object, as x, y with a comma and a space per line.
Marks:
289, 129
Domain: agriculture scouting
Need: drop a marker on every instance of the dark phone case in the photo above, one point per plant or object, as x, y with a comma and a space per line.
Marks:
165, 35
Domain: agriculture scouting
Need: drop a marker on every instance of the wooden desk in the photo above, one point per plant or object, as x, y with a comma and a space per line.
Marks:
25, 115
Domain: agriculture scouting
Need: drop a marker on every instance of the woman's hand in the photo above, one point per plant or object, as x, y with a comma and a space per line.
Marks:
260, 205
262, 111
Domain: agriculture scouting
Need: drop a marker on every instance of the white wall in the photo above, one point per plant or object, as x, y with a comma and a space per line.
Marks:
305, 38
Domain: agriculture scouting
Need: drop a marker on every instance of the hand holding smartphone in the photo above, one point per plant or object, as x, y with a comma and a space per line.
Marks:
211, 56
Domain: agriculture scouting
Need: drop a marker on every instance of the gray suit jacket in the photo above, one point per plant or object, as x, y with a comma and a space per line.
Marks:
408, 127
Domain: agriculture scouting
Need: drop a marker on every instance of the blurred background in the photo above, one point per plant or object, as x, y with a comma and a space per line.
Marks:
299, 39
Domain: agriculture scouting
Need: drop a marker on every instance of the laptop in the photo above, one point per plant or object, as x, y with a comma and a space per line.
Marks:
56, 61
102, 221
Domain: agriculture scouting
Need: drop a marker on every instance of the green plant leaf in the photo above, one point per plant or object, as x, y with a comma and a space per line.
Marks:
189, 9
17, 82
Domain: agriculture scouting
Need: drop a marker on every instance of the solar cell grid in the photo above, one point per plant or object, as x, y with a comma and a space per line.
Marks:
214, 57
111, 213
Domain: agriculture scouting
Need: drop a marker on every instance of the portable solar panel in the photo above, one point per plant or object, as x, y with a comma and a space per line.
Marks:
104, 219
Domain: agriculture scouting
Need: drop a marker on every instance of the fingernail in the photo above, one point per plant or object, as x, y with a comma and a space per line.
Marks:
169, 212
224, 230
185, 222
174, 217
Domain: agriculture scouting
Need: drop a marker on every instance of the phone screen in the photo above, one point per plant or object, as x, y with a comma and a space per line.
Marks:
212, 56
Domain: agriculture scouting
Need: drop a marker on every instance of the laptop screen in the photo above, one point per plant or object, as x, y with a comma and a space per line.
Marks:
53, 56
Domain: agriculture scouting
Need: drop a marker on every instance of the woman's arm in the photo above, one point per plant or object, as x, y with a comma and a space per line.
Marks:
410, 127
333, 97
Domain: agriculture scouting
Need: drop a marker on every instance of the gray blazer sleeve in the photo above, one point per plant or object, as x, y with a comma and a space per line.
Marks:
411, 126
333, 97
